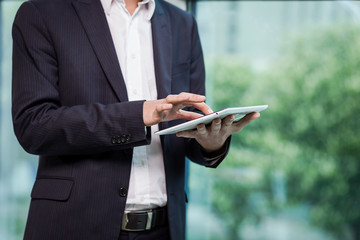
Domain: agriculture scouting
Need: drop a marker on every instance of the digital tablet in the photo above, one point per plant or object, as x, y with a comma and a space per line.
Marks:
239, 113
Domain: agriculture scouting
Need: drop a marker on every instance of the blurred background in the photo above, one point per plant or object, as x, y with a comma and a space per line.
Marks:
293, 173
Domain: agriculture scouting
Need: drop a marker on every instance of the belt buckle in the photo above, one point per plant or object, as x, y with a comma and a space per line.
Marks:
125, 221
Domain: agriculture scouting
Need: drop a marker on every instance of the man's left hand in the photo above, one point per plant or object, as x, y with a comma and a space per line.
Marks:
213, 137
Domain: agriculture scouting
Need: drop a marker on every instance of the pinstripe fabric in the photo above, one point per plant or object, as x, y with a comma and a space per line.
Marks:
70, 107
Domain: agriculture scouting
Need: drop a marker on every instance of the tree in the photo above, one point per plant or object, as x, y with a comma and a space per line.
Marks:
238, 197
310, 131
320, 114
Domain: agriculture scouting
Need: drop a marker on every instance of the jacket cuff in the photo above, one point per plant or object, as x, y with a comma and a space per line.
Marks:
214, 157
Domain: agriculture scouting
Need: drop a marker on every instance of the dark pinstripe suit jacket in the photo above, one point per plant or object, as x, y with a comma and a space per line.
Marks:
70, 107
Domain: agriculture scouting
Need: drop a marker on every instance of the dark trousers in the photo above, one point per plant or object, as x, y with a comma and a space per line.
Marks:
159, 233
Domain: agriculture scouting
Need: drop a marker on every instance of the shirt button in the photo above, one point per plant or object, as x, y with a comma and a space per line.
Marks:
135, 92
122, 192
133, 56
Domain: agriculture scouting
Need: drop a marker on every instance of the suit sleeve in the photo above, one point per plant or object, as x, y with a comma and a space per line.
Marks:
42, 125
197, 79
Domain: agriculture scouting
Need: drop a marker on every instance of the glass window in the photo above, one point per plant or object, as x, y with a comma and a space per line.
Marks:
293, 173
17, 169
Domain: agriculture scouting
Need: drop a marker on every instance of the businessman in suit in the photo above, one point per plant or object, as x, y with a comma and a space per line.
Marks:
92, 81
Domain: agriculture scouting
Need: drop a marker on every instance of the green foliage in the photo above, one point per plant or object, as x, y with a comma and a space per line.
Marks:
310, 131
241, 189
324, 121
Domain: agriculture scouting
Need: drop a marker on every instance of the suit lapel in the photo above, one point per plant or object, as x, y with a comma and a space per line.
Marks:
162, 46
95, 24
161, 33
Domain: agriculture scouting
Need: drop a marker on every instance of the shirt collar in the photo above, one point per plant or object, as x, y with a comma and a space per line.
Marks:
150, 8
106, 5
148, 4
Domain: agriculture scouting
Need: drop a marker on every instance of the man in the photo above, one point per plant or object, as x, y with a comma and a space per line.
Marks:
92, 81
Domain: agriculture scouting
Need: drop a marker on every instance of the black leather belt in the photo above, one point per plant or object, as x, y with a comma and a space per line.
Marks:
144, 219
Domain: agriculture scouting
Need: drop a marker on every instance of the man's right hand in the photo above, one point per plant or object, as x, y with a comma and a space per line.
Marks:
170, 108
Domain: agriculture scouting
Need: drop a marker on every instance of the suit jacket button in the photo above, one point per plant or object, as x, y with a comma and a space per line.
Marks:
128, 137
113, 140
123, 139
118, 139
122, 192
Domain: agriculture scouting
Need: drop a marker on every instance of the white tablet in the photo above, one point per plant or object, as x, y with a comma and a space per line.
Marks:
239, 113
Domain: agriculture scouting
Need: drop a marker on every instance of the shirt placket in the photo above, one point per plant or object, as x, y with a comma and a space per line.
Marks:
133, 67
134, 80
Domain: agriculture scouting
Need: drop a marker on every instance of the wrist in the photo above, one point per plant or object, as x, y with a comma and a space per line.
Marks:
224, 148
213, 147
215, 151
147, 113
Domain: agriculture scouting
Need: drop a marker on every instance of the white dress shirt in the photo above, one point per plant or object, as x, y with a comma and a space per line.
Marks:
132, 37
